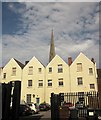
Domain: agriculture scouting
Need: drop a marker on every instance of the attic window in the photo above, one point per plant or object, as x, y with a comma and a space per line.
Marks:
40, 70
90, 71
60, 68
30, 70
14, 71
79, 67
4, 76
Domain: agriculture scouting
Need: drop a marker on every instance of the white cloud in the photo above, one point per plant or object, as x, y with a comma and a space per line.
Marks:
75, 27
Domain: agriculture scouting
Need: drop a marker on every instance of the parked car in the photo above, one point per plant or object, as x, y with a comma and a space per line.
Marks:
44, 106
24, 110
67, 104
34, 108
79, 104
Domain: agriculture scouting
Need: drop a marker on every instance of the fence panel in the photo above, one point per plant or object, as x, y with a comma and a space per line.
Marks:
88, 99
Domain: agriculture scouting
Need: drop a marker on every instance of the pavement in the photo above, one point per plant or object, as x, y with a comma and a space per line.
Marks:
42, 115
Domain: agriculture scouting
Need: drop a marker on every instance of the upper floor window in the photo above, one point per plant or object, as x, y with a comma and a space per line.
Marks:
29, 83
60, 68
14, 71
50, 69
92, 86
40, 83
4, 75
40, 70
30, 70
50, 82
60, 81
80, 81
79, 67
90, 71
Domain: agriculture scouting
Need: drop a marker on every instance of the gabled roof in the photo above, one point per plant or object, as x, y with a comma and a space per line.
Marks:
19, 63
81, 54
56, 56
33, 59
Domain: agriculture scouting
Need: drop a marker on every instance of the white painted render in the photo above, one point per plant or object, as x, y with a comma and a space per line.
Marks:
69, 76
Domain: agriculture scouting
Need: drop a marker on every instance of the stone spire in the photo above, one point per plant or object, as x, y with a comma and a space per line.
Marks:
52, 48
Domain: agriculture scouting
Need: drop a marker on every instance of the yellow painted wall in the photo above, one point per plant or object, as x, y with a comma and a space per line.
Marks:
37, 91
55, 76
87, 78
69, 76
8, 70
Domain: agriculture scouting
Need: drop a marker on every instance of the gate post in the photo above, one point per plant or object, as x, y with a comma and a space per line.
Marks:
16, 100
6, 99
54, 106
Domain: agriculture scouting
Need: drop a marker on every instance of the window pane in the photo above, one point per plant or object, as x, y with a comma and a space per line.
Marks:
29, 83
50, 69
60, 81
49, 82
90, 70
79, 67
92, 86
4, 75
80, 81
40, 70
14, 71
60, 68
30, 70
28, 98
40, 83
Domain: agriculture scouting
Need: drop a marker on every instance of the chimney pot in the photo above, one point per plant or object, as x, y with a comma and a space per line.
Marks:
69, 61
26, 62
93, 60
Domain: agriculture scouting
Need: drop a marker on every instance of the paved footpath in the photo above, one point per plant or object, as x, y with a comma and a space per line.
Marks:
43, 115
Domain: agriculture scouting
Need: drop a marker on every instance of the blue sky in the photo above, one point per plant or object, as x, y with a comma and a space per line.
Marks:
26, 30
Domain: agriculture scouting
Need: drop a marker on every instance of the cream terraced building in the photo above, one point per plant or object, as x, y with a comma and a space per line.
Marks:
38, 81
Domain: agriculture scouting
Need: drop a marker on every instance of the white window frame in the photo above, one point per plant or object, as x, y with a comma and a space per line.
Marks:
79, 67
28, 98
90, 71
49, 82
92, 86
30, 71
80, 81
60, 68
14, 71
30, 83
40, 70
60, 80
4, 75
40, 83
50, 69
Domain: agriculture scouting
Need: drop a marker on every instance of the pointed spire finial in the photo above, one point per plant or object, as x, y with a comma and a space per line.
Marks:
52, 48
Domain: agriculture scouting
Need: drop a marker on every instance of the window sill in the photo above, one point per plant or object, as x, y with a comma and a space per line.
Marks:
49, 86
61, 86
29, 86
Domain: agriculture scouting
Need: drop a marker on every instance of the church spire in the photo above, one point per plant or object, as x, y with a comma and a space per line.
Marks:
52, 48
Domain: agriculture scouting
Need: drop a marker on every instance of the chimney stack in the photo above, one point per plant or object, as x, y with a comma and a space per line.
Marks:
93, 60
69, 61
26, 62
